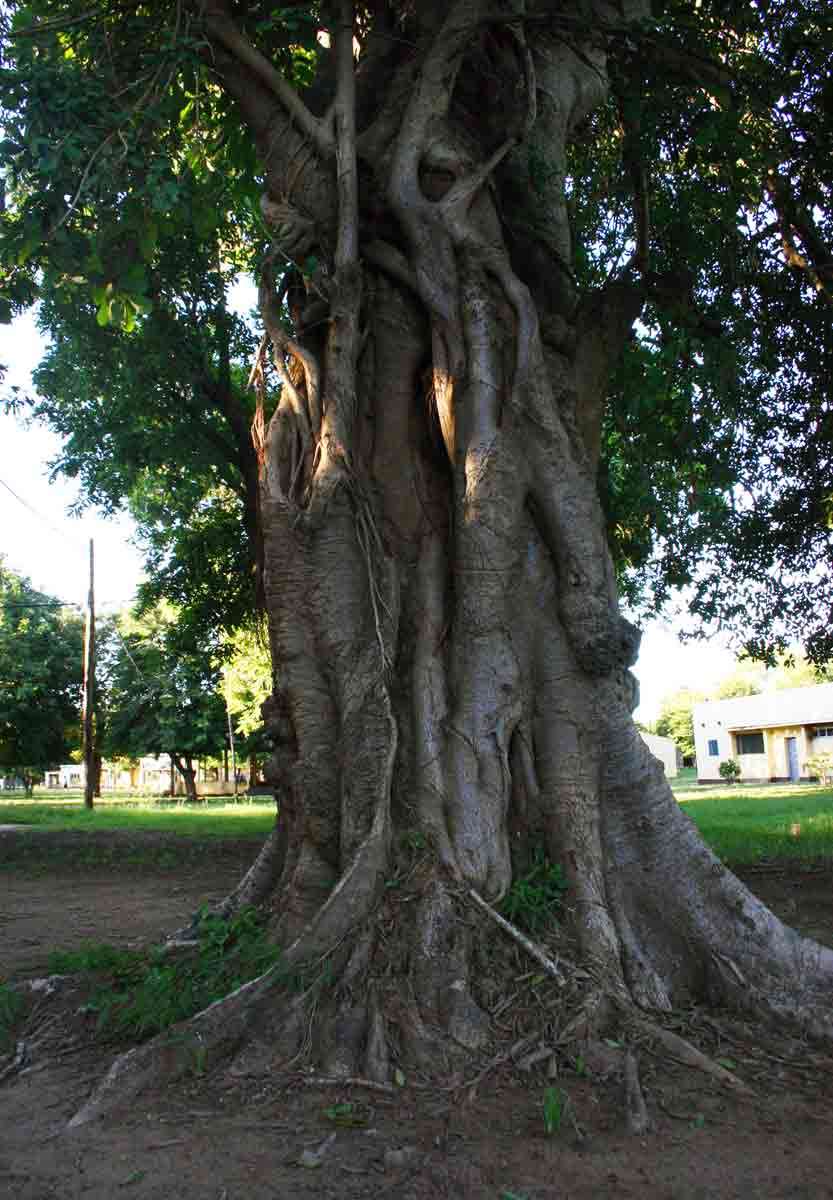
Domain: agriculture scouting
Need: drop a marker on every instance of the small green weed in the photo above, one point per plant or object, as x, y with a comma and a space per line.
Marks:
136, 1177
346, 1114
12, 1005
414, 840
146, 993
200, 1060
555, 1106
534, 899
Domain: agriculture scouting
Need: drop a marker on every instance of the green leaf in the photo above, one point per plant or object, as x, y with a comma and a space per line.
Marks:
135, 279
148, 239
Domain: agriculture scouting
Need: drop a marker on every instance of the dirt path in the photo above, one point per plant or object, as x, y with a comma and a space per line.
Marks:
60, 890
233, 1137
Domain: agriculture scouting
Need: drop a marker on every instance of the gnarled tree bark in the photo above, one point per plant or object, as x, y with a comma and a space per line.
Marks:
450, 663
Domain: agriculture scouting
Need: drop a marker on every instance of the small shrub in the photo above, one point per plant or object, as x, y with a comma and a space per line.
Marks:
534, 899
821, 766
729, 770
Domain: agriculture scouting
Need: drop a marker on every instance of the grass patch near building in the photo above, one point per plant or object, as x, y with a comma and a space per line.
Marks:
749, 823
743, 823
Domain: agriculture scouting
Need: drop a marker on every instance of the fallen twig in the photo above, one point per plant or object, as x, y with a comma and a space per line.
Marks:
552, 968
689, 1056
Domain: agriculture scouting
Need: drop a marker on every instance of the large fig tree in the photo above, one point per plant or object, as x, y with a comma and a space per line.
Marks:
465, 208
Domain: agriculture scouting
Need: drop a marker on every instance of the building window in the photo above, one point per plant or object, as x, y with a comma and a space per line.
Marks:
714, 749
823, 732
750, 743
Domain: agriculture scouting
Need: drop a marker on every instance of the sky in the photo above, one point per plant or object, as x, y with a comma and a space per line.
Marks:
37, 536
40, 540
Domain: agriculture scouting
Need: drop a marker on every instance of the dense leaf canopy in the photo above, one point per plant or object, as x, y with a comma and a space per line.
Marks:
41, 655
160, 699
131, 204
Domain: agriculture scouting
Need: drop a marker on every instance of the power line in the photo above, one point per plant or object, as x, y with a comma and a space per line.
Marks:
59, 532
40, 604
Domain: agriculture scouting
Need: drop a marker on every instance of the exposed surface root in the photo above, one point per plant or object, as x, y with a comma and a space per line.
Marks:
683, 1052
190, 1047
423, 979
253, 889
635, 1107
16, 1063
593, 1018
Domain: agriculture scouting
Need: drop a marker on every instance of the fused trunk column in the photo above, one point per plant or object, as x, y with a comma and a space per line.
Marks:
449, 658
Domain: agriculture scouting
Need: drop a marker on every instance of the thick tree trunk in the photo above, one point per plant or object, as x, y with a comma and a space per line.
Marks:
452, 693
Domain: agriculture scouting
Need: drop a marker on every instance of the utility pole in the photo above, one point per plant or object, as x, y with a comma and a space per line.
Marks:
231, 742
88, 724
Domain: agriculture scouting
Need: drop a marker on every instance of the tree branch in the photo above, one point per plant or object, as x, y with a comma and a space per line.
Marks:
228, 35
817, 262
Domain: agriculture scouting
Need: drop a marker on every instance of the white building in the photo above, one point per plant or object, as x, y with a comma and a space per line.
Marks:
70, 775
150, 775
663, 748
771, 735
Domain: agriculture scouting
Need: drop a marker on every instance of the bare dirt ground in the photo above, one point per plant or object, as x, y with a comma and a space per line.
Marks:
232, 1137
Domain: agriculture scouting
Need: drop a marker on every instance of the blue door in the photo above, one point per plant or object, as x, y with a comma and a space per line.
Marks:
792, 758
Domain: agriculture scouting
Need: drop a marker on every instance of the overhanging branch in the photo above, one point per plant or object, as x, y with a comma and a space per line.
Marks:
228, 35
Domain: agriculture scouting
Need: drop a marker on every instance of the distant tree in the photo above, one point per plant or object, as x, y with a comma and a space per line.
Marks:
747, 679
791, 670
41, 650
677, 722
794, 671
247, 678
247, 684
162, 698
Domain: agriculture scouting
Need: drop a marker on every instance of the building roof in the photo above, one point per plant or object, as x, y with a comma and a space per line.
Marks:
793, 706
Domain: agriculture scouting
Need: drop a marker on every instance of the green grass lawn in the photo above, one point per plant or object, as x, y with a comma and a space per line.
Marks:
685, 779
745, 823
213, 817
